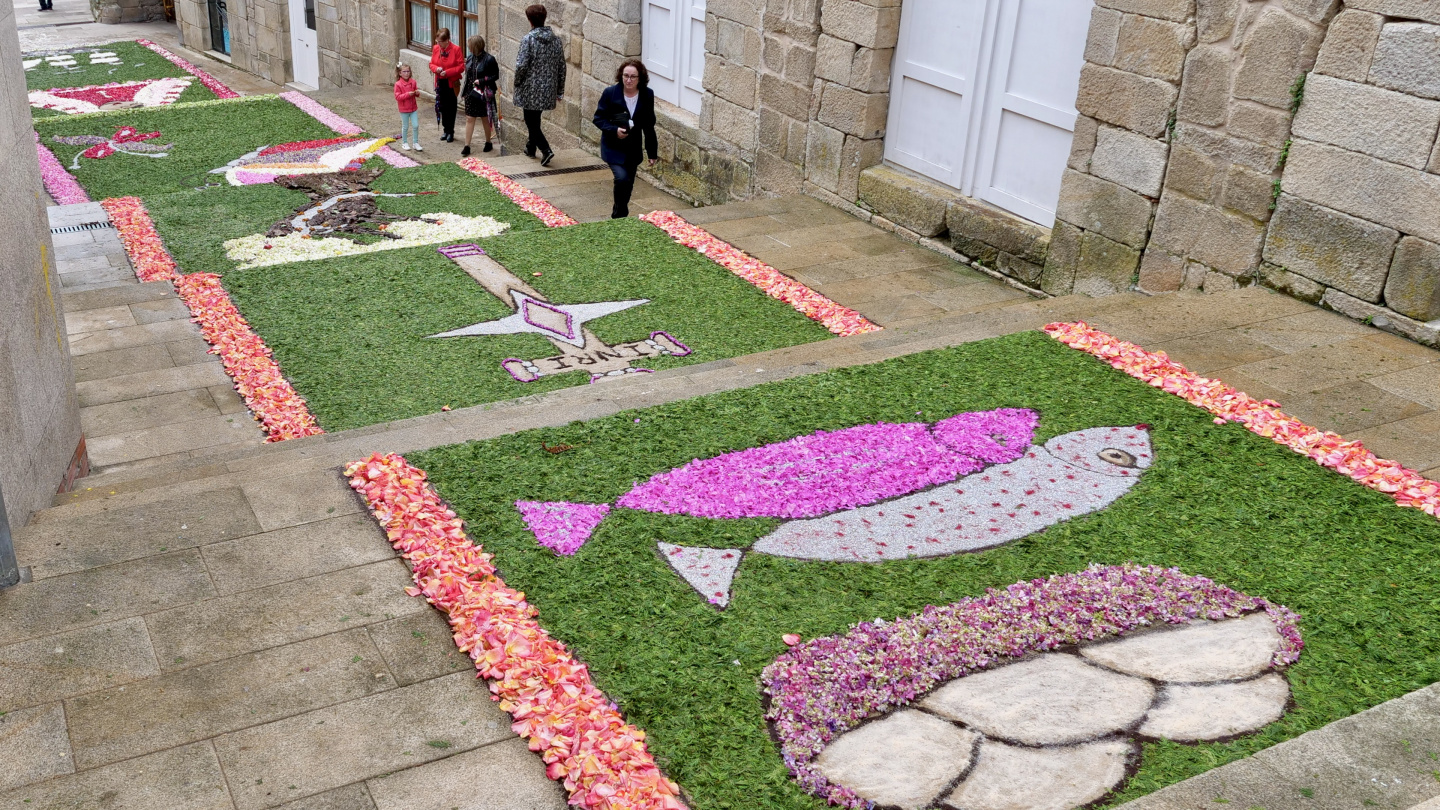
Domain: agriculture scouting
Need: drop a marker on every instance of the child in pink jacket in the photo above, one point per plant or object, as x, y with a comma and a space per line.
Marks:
405, 93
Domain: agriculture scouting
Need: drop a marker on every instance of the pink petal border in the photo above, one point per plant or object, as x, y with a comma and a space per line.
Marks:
343, 126
216, 86
582, 737
528, 200
59, 183
1262, 417
281, 411
840, 320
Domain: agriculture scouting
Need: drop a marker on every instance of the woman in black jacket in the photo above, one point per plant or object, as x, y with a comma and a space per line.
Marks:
626, 113
482, 74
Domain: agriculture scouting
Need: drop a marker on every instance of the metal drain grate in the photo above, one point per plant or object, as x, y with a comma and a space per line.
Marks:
84, 226
552, 172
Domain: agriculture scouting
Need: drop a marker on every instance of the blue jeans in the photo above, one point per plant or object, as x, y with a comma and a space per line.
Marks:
410, 127
624, 185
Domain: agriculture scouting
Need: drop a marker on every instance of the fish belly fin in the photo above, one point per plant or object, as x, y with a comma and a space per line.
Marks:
561, 526
710, 571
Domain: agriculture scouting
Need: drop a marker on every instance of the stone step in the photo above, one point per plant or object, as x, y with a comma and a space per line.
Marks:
226, 465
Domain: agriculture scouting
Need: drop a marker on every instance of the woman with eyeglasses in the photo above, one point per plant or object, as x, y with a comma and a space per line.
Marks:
626, 117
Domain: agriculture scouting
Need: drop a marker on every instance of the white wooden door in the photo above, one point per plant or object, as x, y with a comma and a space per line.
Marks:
304, 46
660, 47
692, 49
933, 86
673, 49
983, 97
1029, 117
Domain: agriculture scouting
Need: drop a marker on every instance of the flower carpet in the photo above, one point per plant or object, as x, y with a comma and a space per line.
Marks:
113, 76
1150, 589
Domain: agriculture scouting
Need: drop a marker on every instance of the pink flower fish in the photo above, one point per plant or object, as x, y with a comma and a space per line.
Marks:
877, 492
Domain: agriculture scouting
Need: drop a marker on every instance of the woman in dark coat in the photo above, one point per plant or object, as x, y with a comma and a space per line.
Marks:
482, 73
625, 115
539, 79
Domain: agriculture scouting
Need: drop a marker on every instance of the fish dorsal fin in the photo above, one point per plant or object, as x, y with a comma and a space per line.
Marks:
560, 526
708, 570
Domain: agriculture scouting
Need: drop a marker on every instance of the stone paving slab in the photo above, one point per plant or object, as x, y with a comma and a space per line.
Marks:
186, 778
237, 693
500, 776
34, 745
75, 663
199, 632
270, 764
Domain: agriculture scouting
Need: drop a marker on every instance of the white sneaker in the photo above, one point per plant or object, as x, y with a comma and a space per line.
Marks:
419, 148
405, 146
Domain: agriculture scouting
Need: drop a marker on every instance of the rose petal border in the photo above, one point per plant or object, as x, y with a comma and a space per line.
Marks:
281, 411
219, 88
528, 200
1261, 417
840, 320
582, 737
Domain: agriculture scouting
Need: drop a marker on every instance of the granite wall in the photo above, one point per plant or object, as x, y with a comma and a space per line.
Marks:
39, 412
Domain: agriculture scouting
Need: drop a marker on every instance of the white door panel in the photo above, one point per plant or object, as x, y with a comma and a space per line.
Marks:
304, 44
983, 97
673, 49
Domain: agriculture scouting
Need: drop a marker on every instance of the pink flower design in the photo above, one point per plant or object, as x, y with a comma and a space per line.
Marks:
822, 688
559, 526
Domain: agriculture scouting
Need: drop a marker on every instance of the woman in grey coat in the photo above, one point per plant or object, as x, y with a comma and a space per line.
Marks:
539, 79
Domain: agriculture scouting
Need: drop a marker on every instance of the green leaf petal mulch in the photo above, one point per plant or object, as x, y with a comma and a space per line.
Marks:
351, 333
136, 62
205, 137
1218, 502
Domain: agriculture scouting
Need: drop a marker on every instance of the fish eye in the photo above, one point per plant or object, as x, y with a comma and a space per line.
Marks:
1116, 456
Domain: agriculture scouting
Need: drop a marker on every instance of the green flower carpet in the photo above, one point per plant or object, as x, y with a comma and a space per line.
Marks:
113, 75
386, 292
679, 552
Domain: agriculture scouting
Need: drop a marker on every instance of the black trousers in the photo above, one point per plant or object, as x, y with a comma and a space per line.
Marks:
445, 95
624, 187
535, 136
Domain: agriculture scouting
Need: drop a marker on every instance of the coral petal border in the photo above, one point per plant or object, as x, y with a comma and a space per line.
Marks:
840, 320
281, 411
528, 200
1261, 417
585, 742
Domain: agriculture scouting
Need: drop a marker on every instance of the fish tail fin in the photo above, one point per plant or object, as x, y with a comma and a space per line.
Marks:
561, 526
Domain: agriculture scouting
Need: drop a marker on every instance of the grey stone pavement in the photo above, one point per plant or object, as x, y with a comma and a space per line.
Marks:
215, 623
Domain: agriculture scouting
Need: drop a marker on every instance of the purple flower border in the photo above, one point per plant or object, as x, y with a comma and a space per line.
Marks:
569, 332
60, 184
824, 687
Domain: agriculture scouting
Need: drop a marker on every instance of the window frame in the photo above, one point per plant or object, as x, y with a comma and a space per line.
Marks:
458, 37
